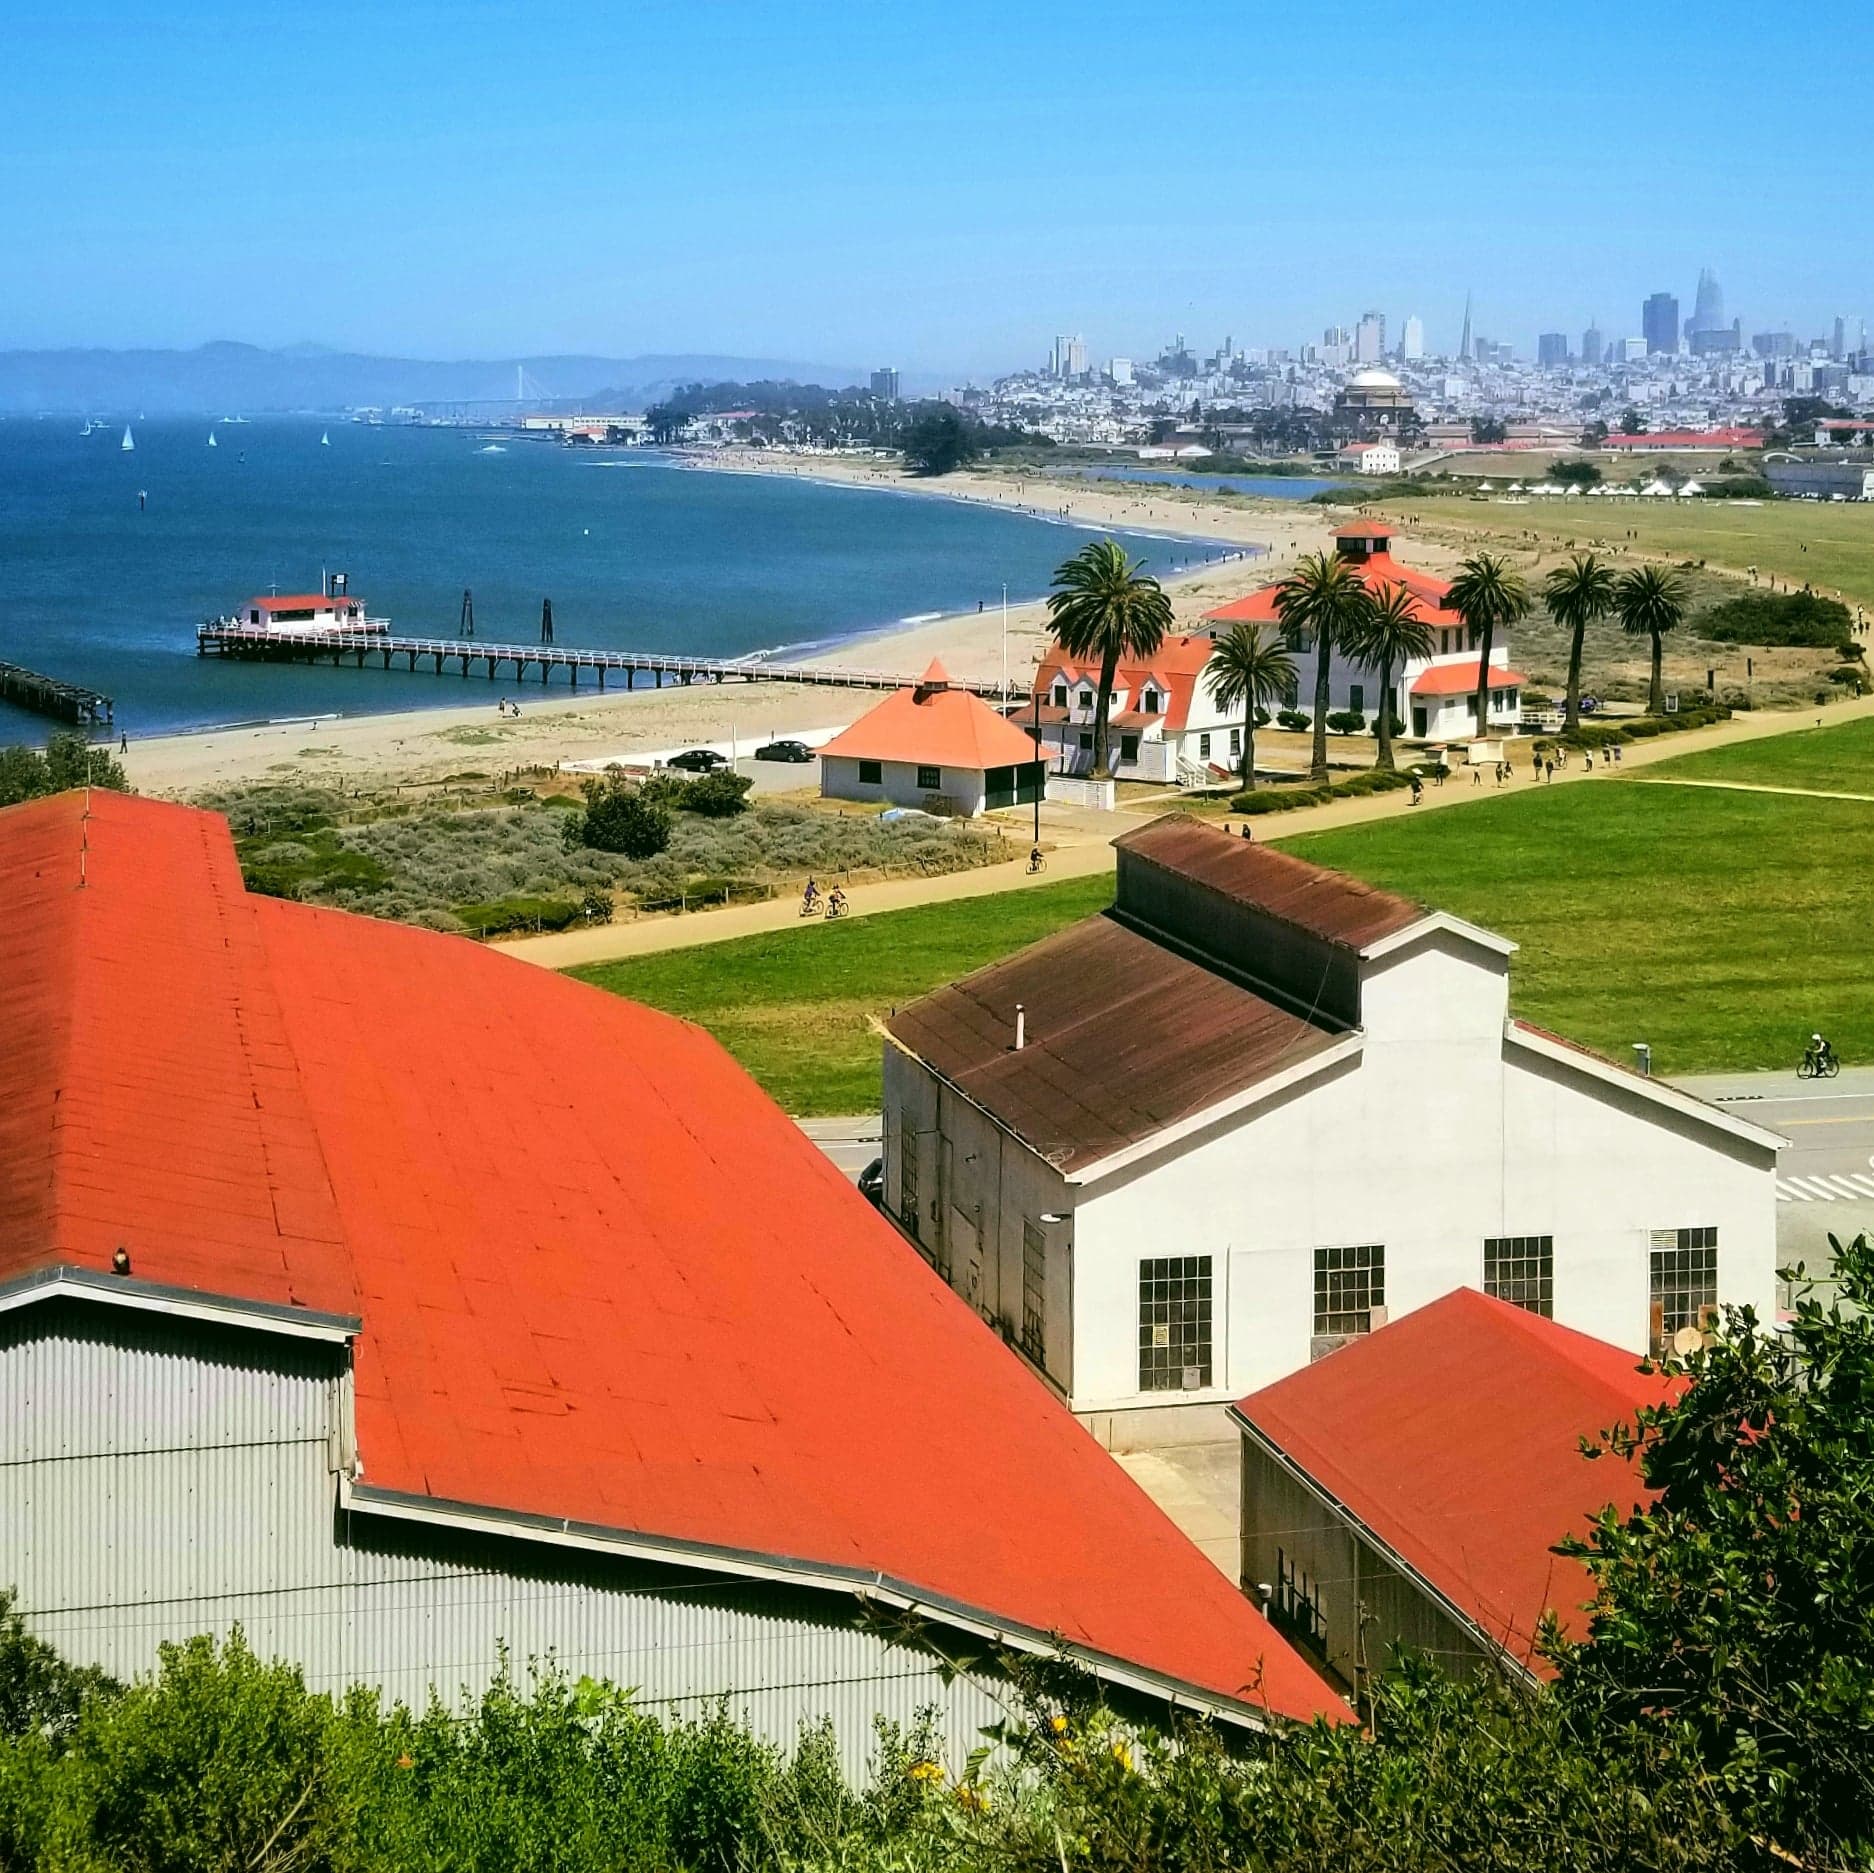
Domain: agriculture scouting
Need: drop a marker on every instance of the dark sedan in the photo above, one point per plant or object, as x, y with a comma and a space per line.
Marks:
784, 751
872, 1182
699, 760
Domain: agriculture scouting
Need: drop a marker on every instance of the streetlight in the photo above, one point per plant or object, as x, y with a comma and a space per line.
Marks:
1005, 646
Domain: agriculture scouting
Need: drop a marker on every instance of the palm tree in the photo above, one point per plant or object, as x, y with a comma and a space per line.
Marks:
1651, 602
1487, 593
1249, 670
1106, 607
1577, 594
1390, 635
1322, 599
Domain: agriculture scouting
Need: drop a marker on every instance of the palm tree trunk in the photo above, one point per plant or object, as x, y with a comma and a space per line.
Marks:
1249, 744
1102, 705
1656, 696
1482, 698
1323, 652
1385, 759
1571, 718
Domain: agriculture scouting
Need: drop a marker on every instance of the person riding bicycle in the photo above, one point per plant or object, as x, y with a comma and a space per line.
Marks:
836, 902
811, 895
1035, 860
1820, 1053
1418, 789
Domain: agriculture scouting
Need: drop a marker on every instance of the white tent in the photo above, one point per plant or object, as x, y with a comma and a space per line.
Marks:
1691, 487
1515, 487
1655, 487
1623, 489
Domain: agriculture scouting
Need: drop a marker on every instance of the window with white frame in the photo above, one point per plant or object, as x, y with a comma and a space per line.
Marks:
1203, 747
1149, 702
1174, 1324
1521, 1270
1682, 1285
1086, 699
1060, 695
1349, 1284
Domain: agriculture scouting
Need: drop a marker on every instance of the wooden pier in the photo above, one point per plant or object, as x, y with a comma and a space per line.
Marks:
468, 656
46, 695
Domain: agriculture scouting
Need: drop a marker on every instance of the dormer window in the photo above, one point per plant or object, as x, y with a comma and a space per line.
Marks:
1150, 701
1086, 699
1060, 695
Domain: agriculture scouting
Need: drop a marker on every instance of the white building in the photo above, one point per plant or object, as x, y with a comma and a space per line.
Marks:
1370, 458
1164, 721
1435, 697
934, 747
1180, 1149
401, 1302
1412, 340
1120, 371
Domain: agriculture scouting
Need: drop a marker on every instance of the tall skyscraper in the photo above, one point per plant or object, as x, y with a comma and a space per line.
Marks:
1708, 307
1120, 371
1369, 339
1552, 348
1464, 343
1412, 339
1838, 345
1593, 345
1659, 320
1076, 357
885, 383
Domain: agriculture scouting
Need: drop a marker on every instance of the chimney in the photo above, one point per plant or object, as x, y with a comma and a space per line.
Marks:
1021, 1027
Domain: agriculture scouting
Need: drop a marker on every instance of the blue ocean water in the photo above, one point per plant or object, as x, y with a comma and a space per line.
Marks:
1267, 487
635, 553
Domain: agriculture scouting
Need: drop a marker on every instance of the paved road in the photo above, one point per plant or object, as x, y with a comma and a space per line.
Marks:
1825, 1176
852, 1143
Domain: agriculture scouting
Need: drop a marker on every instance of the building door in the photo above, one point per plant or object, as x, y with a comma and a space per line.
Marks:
1418, 721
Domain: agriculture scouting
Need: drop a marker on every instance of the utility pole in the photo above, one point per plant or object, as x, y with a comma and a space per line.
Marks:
1005, 645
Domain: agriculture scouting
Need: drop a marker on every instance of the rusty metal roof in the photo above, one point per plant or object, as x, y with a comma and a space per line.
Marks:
1327, 904
1124, 1038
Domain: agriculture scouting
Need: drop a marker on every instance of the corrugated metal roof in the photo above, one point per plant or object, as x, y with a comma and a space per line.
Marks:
1327, 904
1124, 1038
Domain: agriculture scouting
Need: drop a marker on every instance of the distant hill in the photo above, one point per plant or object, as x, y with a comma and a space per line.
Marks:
228, 378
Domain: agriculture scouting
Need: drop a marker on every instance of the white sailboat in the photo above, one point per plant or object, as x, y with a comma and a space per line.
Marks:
325, 439
129, 441
212, 443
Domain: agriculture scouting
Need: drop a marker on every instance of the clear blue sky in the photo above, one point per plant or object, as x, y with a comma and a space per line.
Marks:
940, 185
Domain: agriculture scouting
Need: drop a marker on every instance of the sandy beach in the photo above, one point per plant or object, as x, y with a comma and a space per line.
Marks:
557, 725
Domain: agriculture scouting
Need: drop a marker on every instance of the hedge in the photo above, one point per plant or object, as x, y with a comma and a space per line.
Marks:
1354, 787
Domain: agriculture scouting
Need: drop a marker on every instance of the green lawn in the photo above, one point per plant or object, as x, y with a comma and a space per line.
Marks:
1833, 760
796, 1007
1719, 927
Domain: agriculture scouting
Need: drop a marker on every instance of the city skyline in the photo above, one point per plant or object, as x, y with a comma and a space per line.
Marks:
498, 180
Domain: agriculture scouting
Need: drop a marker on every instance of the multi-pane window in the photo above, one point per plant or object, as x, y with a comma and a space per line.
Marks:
930, 778
1348, 1284
1521, 1270
907, 1179
1203, 747
1298, 1602
1034, 1292
871, 773
1684, 1284
1174, 1324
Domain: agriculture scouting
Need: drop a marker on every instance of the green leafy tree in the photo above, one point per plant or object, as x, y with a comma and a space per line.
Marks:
1632, 423
1577, 595
1733, 1634
69, 760
1104, 605
1576, 474
1321, 604
1251, 671
1489, 596
1488, 429
620, 817
937, 440
1651, 601
1386, 637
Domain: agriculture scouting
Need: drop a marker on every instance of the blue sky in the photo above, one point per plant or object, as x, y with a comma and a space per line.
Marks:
943, 186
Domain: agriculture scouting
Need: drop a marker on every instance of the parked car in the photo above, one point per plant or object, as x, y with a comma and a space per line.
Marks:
784, 751
699, 760
872, 1182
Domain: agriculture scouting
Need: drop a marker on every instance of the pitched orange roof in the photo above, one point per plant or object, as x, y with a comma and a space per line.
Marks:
601, 1277
1174, 668
1377, 572
936, 727
1453, 1434
1460, 679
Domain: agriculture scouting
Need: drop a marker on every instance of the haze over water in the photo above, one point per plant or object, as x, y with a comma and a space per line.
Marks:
635, 554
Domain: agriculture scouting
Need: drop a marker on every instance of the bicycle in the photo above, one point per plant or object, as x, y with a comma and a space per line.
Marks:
1814, 1066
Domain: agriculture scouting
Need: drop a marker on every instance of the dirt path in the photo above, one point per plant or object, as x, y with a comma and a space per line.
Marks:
1082, 844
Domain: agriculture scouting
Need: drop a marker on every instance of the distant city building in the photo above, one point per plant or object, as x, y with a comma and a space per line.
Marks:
1632, 350
1838, 345
1120, 371
1412, 340
1659, 320
1717, 340
1773, 345
1370, 338
1593, 346
1708, 306
1373, 403
885, 384
1552, 348
1069, 357
1464, 342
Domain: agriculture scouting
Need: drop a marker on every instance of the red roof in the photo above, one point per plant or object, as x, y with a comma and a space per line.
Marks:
1378, 572
1460, 679
1688, 439
1364, 529
1454, 1436
601, 1276
935, 726
305, 601
1174, 669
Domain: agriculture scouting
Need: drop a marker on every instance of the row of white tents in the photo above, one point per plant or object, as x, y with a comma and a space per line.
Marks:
1568, 489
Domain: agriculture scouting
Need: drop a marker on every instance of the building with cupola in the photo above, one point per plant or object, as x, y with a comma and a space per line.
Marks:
1373, 403
1433, 697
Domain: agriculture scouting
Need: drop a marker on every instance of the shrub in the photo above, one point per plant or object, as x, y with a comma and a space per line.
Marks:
1346, 722
620, 818
69, 760
519, 913
721, 795
1777, 618
1296, 719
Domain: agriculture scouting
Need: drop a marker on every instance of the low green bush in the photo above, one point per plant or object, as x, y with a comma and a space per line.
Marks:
1296, 719
518, 913
1346, 722
1777, 618
1285, 799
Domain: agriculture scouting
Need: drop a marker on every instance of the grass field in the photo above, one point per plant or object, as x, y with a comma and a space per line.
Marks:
796, 1007
1824, 544
1832, 760
1719, 927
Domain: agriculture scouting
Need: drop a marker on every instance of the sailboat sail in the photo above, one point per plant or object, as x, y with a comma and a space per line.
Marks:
325, 439
128, 442
212, 443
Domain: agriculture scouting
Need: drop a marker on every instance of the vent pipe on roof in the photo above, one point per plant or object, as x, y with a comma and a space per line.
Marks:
1021, 1027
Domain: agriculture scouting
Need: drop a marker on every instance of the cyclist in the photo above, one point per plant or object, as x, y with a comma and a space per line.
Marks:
1820, 1053
810, 897
1035, 860
836, 902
